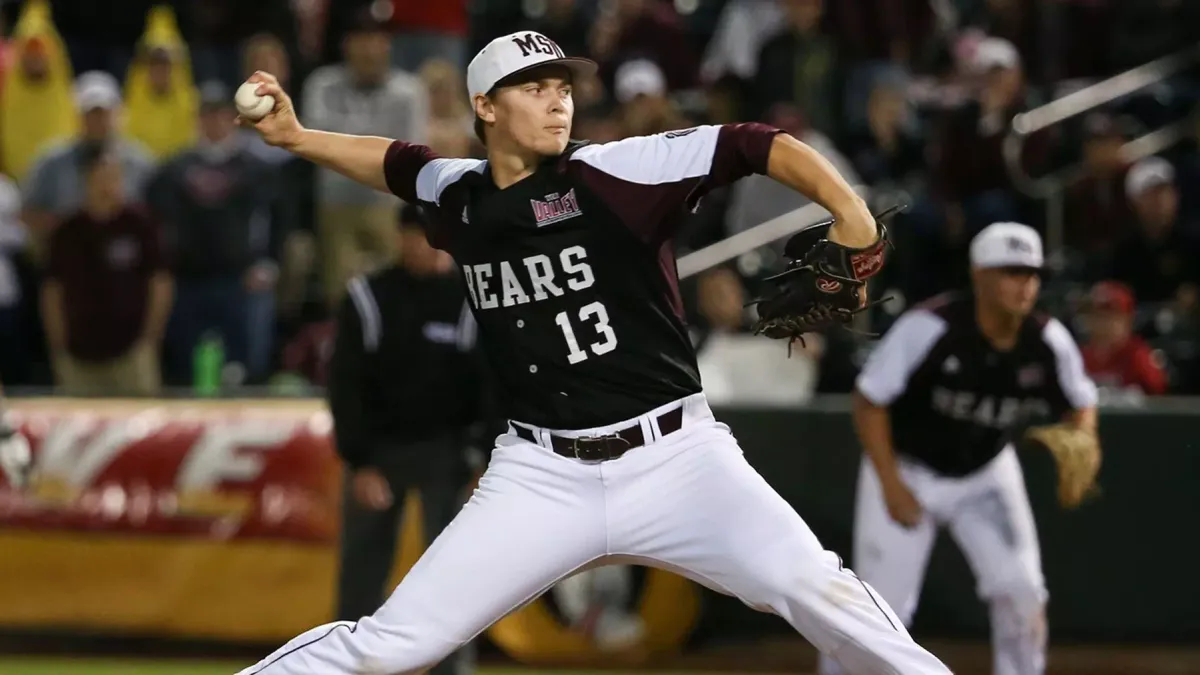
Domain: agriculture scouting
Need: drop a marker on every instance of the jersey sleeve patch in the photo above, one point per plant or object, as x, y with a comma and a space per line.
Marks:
438, 174
900, 352
1077, 387
652, 160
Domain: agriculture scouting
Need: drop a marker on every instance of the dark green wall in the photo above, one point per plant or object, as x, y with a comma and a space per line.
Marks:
1124, 567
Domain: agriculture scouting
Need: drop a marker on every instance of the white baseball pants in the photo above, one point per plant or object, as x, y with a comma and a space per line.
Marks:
989, 516
686, 502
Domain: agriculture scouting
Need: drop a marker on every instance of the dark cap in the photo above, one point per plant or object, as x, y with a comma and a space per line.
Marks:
411, 215
215, 95
367, 20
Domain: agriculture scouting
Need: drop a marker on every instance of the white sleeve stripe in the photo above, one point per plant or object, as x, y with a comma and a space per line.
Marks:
900, 352
368, 312
651, 160
1079, 389
466, 328
436, 175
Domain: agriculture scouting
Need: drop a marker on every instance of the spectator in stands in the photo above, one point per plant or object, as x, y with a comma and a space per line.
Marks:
362, 95
161, 94
970, 172
14, 352
219, 28
889, 151
1159, 259
424, 30
1019, 22
226, 220
800, 67
644, 29
1113, 356
36, 106
267, 53
55, 186
564, 22
641, 92
1144, 30
107, 292
1096, 212
450, 122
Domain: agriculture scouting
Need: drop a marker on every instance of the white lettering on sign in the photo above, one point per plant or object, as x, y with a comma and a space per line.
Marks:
229, 452
77, 450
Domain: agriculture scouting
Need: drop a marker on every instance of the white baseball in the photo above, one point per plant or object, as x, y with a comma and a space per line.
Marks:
250, 105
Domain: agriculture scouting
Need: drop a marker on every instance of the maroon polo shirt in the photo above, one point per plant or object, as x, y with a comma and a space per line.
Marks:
105, 270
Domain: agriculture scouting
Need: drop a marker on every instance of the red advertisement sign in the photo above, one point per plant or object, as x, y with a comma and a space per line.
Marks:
215, 471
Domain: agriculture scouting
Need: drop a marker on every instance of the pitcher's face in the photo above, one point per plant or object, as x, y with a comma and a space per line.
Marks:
533, 115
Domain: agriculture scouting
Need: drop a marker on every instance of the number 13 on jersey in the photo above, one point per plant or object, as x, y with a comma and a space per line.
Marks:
597, 316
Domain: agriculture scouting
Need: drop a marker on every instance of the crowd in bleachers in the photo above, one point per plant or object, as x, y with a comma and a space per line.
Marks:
141, 229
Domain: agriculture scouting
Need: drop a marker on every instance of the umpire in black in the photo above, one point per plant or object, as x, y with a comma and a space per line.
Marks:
407, 396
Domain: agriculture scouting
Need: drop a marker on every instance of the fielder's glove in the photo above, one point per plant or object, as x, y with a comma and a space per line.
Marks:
820, 288
15, 456
1076, 453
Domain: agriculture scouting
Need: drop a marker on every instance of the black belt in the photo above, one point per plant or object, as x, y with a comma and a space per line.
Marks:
608, 446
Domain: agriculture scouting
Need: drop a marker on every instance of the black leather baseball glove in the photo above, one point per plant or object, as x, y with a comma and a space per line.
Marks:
820, 288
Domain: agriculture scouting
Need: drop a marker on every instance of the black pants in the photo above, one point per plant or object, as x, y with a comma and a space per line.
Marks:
369, 539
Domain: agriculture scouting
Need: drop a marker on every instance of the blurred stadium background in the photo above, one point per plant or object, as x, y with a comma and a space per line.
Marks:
183, 518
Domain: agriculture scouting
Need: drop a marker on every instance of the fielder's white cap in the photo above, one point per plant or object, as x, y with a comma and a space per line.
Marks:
1007, 245
517, 52
1148, 173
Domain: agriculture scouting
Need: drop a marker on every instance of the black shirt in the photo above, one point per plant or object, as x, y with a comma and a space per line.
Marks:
571, 271
404, 367
955, 401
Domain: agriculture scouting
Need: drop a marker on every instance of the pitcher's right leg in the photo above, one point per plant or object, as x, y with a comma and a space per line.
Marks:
535, 518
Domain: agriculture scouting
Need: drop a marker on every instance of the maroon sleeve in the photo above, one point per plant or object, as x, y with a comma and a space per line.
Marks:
401, 165
154, 257
58, 259
651, 182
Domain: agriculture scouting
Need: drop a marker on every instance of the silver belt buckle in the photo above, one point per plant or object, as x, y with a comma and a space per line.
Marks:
575, 444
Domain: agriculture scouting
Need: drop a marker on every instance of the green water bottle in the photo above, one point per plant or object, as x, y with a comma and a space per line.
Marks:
207, 362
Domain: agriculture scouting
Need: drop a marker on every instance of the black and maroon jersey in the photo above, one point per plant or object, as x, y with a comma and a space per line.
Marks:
571, 271
955, 400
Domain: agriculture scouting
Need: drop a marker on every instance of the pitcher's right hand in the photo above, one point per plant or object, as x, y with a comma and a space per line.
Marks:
280, 127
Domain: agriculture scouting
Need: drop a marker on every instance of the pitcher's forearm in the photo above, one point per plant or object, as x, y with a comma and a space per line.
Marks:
359, 158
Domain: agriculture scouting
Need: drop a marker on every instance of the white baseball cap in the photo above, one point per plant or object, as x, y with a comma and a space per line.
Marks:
1007, 245
517, 52
636, 77
994, 52
97, 89
1148, 173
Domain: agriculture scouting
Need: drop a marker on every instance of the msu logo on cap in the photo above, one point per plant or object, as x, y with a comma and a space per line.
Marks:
534, 43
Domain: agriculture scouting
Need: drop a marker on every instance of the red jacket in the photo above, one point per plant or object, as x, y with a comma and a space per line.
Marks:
1132, 365
435, 16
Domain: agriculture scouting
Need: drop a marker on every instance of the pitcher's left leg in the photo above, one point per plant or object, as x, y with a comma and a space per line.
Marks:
994, 527
691, 503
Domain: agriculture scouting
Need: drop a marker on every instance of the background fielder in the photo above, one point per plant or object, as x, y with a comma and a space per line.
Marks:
937, 407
